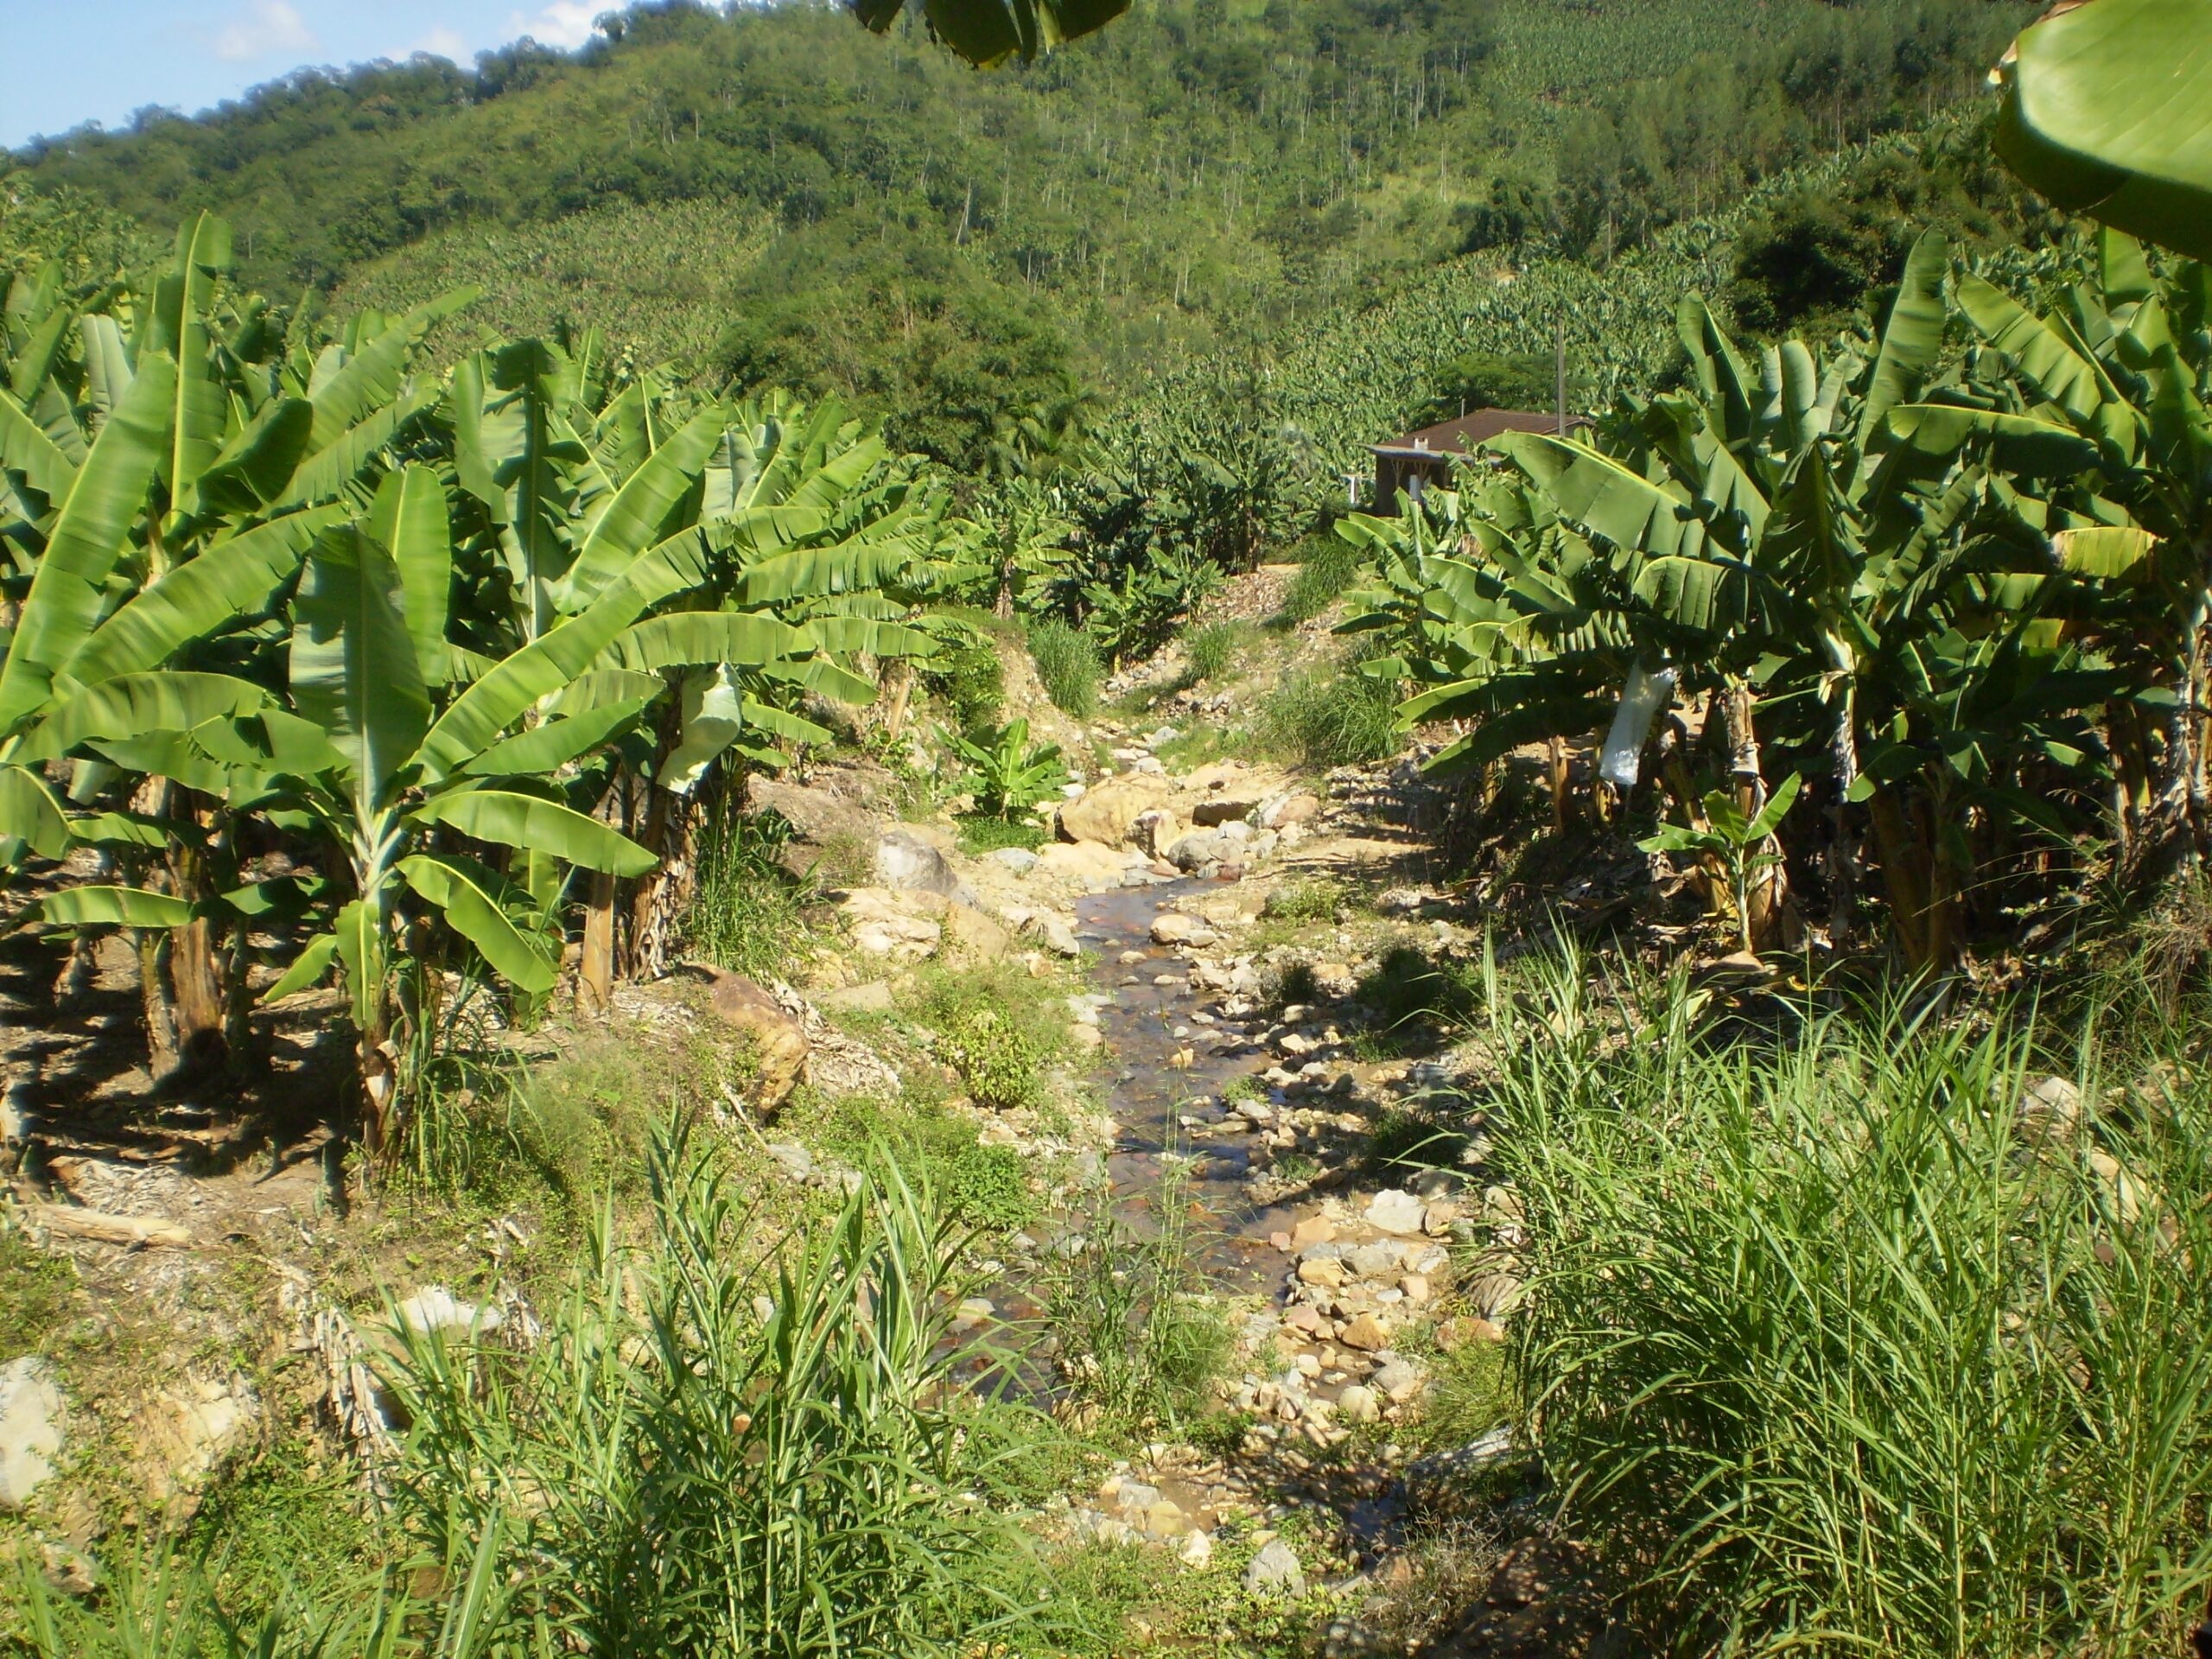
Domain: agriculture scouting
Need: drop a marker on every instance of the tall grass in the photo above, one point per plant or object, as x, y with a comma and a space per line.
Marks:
746, 913
1138, 1340
705, 1457
1326, 568
1829, 1355
1068, 666
1334, 716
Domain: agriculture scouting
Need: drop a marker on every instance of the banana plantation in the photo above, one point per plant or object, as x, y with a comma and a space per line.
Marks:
321, 662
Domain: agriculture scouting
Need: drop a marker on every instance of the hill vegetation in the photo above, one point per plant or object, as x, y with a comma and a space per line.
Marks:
871, 218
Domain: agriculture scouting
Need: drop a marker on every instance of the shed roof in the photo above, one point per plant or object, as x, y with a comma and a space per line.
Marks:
1460, 436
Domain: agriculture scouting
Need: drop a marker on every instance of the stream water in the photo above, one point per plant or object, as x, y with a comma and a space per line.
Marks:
1172, 1065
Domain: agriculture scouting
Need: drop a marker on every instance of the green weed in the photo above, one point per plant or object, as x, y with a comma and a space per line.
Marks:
1327, 569
1334, 717
1067, 666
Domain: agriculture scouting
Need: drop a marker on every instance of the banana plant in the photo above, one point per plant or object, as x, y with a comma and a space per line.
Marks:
1008, 773
1743, 847
237, 458
2108, 112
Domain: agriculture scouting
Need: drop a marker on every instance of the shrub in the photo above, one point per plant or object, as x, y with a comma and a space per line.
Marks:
1067, 666
981, 833
1007, 773
1335, 717
964, 673
1821, 1344
996, 1060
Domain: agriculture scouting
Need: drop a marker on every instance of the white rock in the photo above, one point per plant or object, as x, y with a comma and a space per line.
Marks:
436, 1308
1400, 1380
1275, 1570
1358, 1404
1196, 1550
1172, 927
1020, 859
31, 1411
1394, 1211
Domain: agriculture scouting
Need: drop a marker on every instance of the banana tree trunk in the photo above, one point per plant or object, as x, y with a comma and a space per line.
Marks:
1843, 856
671, 833
596, 968
1769, 894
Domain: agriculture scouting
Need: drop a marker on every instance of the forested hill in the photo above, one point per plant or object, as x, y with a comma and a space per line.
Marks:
775, 193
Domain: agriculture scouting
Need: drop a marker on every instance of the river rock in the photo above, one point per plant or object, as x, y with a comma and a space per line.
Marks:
1020, 859
1394, 1211
906, 863
886, 924
193, 1432
1367, 1333
1357, 1404
1374, 1260
1274, 1571
1321, 1272
1155, 831
1172, 927
1314, 1229
31, 1418
1400, 1380
1288, 807
1195, 851
2049, 1106
1196, 1550
779, 1041
1106, 810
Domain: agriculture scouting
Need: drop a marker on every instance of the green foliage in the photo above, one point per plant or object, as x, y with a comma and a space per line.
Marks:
1739, 841
965, 673
1067, 666
37, 1293
985, 1187
1328, 568
1858, 1345
1313, 899
1339, 715
746, 912
981, 832
998, 1062
1134, 617
1009, 774
811, 1462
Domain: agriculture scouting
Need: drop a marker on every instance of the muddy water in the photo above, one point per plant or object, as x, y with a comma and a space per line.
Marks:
1169, 1066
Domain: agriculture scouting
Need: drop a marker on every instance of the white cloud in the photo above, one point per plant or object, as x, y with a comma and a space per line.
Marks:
265, 28
443, 42
563, 23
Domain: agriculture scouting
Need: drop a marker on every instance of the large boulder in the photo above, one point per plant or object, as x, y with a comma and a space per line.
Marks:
911, 927
833, 819
906, 863
31, 1415
1105, 811
779, 1041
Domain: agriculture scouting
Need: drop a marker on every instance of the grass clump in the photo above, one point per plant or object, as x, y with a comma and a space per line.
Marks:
1211, 651
713, 1453
1327, 567
1828, 1347
1312, 900
985, 1187
994, 1058
1068, 666
1138, 1339
1337, 716
985, 832
746, 913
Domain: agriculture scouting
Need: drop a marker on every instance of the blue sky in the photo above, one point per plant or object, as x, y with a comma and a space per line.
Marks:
100, 59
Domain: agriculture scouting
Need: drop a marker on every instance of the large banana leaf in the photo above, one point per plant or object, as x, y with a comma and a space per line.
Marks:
476, 903
131, 704
353, 670
629, 521
1913, 338
25, 448
182, 299
529, 822
256, 468
68, 591
370, 378
30, 814
2108, 112
409, 517
545, 748
108, 907
229, 582
701, 639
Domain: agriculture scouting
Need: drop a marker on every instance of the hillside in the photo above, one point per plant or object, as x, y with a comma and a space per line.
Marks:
869, 216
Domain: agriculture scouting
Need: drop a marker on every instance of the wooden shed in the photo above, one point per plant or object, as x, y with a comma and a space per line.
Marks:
1414, 461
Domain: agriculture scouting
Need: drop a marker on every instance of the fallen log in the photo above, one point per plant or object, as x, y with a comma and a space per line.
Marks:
133, 1231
